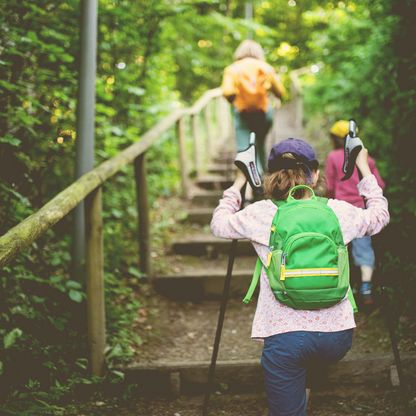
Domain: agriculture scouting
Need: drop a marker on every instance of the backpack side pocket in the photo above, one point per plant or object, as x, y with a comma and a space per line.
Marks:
274, 268
343, 268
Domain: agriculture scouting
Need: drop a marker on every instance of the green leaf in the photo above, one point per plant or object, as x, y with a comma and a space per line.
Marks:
10, 338
75, 295
82, 363
9, 139
73, 284
118, 374
135, 272
136, 91
117, 213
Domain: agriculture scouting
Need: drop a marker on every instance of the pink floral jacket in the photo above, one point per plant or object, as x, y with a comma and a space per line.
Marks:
253, 223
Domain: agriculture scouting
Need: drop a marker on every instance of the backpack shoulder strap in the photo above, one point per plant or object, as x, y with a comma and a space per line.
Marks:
254, 281
259, 265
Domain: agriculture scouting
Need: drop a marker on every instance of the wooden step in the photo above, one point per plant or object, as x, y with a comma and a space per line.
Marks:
236, 376
206, 245
213, 182
201, 215
202, 285
225, 158
225, 170
202, 197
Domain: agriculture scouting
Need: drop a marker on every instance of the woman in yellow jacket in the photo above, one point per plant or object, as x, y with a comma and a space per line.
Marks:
246, 84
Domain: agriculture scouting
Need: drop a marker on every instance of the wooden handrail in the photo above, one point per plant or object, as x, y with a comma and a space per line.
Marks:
89, 188
204, 100
25, 233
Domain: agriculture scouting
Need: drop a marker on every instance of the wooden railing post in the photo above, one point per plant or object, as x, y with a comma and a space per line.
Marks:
143, 214
225, 119
208, 131
197, 143
95, 281
218, 117
183, 158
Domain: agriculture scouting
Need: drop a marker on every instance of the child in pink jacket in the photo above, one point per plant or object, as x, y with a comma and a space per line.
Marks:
294, 340
361, 248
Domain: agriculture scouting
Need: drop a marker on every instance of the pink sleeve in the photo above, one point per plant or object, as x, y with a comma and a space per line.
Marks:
330, 174
253, 222
357, 222
375, 172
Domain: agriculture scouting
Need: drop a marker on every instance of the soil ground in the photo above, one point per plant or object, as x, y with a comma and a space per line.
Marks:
340, 402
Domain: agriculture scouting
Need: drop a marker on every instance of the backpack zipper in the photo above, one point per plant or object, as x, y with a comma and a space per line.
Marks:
289, 246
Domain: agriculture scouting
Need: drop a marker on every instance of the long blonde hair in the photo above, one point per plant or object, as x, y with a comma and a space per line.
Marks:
249, 49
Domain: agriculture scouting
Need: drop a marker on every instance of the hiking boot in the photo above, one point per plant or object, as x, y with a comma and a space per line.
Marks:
366, 294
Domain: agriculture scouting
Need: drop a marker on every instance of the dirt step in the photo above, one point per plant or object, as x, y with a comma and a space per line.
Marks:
177, 348
201, 215
203, 197
175, 356
213, 182
202, 245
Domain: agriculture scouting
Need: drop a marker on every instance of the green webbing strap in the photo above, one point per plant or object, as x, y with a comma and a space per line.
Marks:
254, 281
352, 300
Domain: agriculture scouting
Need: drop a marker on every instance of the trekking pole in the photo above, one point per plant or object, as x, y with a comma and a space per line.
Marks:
221, 316
353, 146
393, 340
246, 162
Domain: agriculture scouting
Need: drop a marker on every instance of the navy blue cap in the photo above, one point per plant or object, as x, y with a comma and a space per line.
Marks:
299, 148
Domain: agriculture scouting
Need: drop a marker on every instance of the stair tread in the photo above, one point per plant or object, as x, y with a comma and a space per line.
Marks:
203, 238
197, 210
203, 265
198, 245
358, 359
212, 177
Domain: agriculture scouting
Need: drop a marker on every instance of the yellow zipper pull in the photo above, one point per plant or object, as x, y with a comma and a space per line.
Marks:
269, 259
283, 267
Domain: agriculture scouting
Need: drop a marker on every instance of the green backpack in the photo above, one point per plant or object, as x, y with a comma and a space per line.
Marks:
307, 265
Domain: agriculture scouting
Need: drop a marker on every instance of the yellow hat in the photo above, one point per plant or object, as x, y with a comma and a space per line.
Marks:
340, 128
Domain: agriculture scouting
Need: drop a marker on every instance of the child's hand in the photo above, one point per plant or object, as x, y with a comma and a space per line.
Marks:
362, 162
240, 179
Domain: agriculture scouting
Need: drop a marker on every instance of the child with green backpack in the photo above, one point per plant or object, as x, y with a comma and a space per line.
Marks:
305, 307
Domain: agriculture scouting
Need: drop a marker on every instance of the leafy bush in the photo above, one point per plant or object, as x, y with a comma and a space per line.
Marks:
374, 81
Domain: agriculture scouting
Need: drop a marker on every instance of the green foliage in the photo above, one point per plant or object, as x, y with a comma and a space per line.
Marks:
374, 81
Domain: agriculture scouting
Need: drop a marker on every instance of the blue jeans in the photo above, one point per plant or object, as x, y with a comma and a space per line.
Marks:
285, 360
362, 252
